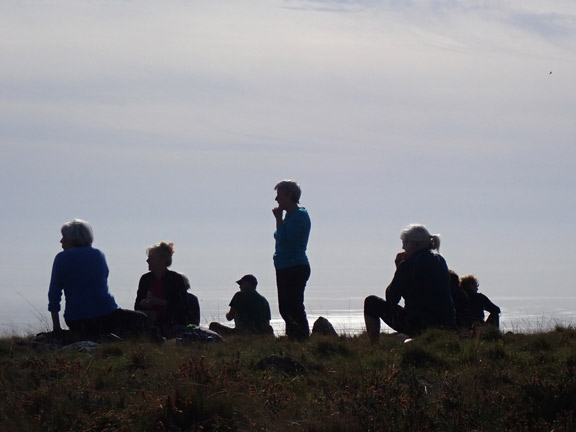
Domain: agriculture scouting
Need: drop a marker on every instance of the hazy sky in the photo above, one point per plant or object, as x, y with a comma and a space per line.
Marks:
173, 120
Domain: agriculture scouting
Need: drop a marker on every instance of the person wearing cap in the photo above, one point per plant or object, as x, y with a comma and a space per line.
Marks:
290, 260
249, 310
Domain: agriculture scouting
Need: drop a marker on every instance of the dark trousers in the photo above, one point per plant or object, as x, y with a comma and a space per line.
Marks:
393, 315
121, 322
291, 283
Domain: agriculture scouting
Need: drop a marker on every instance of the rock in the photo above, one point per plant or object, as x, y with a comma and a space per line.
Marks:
323, 327
284, 364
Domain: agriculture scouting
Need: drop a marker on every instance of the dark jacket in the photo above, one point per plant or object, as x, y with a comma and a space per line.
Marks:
480, 303
182, 307
424, 283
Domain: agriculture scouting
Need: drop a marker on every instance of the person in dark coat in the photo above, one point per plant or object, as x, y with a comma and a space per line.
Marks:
163, 294
422, 280
479, 302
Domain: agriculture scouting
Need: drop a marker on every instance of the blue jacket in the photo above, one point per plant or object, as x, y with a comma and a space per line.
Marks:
292, 240
424, 283
82, 274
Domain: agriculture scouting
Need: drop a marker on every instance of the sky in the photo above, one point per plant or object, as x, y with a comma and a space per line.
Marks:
173, 120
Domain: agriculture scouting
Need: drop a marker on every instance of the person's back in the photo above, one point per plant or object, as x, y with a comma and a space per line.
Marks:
479, 302
427, 294
82, 273
252, 312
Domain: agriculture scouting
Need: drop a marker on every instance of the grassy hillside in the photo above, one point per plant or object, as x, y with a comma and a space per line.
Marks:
438, 382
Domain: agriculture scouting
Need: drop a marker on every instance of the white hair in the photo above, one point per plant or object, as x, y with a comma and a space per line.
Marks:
419, 233
78, 232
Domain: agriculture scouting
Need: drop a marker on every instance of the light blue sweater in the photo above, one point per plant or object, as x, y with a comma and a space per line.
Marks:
82, 273
292, 240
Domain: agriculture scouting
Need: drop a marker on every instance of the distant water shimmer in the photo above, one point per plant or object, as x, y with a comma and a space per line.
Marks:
519, 314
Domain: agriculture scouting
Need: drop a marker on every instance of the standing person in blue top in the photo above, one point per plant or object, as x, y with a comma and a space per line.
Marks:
81, 272
290, 260
422, 279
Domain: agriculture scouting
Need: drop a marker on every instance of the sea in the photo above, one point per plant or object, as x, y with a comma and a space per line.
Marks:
519, 314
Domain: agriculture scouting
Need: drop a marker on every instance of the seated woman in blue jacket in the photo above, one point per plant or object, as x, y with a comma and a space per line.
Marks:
422, 280
163, 294
81, 273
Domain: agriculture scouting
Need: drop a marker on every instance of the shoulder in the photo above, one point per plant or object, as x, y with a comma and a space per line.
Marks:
303, 212
146, 277
238, 295
300, 216
176, 277
75, 253
429, 256
261, 298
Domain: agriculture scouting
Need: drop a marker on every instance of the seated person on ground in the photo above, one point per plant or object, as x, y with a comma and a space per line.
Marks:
249, 310
461, 302
163, 294
422, 280
81, 273
479, 302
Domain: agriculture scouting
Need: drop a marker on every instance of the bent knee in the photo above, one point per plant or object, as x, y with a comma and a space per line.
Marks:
373, 305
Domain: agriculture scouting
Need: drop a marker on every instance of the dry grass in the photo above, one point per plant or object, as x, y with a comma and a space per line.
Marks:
438, 382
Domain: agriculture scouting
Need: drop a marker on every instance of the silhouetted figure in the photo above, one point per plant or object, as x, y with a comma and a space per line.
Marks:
163, 294
461, 302
480, 303
422, 280
81, 273
290, 260
249, 310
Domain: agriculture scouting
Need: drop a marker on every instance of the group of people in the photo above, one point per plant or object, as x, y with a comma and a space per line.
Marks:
164, 305
434, 296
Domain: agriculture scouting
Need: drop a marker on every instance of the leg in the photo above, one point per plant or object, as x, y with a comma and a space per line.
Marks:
291, 283
372, 305
376, 308
123, 321
221, 329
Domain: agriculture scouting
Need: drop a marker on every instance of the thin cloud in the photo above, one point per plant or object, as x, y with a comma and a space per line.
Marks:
554, 22
545, 24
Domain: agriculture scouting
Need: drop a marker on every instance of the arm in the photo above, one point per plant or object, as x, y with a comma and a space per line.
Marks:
141, 293
56, 322
277, 212
293, 230
231, 314
488, 305
395, 290
55, 295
